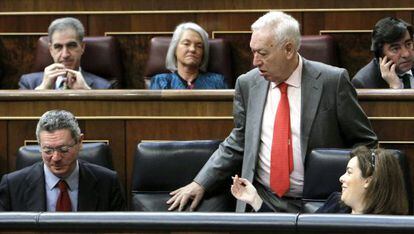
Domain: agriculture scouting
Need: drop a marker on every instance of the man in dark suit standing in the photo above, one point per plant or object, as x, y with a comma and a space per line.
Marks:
66, 48
61, 182
392, 67
322, 107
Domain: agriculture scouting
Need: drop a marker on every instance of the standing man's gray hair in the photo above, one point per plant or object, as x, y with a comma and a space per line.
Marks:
57, 120
284, 27
62, 24
171, 59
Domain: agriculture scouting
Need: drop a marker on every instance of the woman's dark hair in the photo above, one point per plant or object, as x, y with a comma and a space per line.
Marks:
386, 192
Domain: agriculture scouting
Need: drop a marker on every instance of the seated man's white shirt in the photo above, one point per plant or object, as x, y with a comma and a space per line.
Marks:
60, 80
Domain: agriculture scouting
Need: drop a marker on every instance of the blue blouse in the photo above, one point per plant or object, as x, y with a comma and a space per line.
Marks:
206, 80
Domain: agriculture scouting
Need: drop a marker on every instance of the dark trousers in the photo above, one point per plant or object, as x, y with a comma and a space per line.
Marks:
271, 202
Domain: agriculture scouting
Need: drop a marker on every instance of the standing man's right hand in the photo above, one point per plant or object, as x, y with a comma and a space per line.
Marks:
244, 190
387, 67
183, 195
50, 75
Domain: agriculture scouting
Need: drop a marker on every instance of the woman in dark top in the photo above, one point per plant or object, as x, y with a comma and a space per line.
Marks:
372, 184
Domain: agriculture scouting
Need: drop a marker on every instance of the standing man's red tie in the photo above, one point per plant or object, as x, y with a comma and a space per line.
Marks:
281, 162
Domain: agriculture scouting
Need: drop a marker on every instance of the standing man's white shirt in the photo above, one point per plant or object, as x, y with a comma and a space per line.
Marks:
272, 101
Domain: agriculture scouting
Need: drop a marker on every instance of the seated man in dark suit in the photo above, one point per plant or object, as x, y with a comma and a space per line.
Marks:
61, 182
392, 67
66, 47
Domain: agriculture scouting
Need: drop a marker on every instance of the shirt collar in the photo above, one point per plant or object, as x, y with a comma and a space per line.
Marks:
294, 78
407, 72
72, 180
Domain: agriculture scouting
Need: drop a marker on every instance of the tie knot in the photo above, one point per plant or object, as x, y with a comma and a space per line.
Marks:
283, 87
405, 76
62, 185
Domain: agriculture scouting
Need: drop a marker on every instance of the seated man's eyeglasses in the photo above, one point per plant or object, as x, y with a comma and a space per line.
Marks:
61, 149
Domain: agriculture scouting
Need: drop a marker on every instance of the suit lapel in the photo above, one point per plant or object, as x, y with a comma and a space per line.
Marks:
87, 78
256, 105
311, 90
255, 108
88, 195
35, 193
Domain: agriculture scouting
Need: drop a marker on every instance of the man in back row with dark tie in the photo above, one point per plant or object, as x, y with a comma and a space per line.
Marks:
61, 182
392, 66
283, 109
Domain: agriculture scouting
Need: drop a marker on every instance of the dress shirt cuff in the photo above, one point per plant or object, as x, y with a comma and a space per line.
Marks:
257, 203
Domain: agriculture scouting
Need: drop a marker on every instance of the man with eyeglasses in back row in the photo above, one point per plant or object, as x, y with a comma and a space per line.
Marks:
61, 182
392, 67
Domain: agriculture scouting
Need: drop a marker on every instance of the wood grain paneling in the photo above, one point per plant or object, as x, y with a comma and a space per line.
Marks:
128, 5
34, 23
16, 52
134, 55
18, 132
3, 147
353, 49
114, 132
17, 55
240, 50
125, 117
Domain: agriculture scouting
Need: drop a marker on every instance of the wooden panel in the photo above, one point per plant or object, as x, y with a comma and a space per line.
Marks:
128, 5
18, 53
386, 129
240, 50
125, 117
34, 23
353, 20
353, 49
19, 131
135, 49
3, 147
381, 108
312, 23
114, 132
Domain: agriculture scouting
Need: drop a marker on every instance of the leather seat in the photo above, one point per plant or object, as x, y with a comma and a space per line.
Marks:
321, 48
219, 59
97, 153
102, 57
161, 167
322, 172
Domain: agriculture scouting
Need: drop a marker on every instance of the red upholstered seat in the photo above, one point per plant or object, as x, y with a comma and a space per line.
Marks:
321, 48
